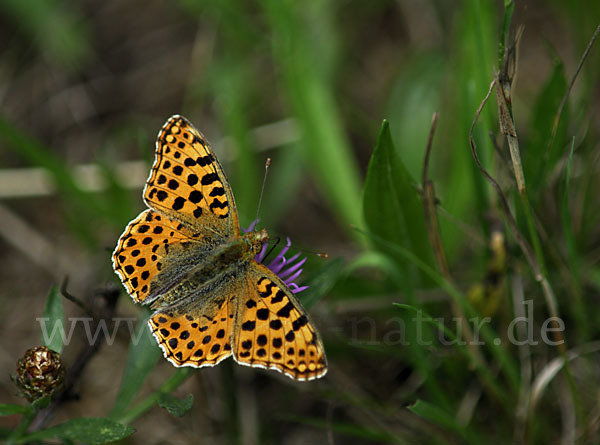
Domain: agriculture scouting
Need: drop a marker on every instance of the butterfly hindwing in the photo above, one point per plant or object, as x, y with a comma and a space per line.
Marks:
187, 182
195, 336
273, 331
141, 253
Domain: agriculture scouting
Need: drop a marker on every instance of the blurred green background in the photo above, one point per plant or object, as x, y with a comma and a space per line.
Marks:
85, 87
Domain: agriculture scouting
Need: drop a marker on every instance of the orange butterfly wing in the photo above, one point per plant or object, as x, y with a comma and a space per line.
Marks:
199, 335
188, 184
143, 252
273, 331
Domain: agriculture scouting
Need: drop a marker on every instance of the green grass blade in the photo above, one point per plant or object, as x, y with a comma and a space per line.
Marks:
439, 417
323, 142
416, 94
470, 70
8, 409
179, 376
539, 159
322, 282
141, 359
283, 185
577, 307
233, 81
486, 375
89, 430
54, 319
82, 209
509, 8
487, 335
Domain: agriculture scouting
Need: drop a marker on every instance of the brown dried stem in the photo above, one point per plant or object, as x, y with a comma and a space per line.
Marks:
75, 371
523, 244
433, 232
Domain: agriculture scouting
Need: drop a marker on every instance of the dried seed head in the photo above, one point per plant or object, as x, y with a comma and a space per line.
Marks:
39, 373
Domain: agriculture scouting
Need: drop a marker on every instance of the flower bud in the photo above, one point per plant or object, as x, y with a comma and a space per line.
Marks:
39, 373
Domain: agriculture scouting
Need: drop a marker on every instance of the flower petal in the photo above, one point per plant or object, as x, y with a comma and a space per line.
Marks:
291, 269
295, 288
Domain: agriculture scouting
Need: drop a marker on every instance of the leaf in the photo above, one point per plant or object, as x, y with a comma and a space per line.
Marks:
42, 402
539, 158
439, 417
8, 409
322, 282
391, 203
88, 430
416, 92
175, 406
177, 378
54, 319
379, 261
141, 359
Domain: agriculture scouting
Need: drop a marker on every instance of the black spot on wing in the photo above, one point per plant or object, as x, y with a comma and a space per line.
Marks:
218, 204
178, 203
209, 178
217, 191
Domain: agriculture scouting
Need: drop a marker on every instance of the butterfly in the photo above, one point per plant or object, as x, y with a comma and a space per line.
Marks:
185, 257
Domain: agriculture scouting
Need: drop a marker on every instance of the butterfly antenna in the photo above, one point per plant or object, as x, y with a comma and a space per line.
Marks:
277, 240
322, 255
262, 189
272, 248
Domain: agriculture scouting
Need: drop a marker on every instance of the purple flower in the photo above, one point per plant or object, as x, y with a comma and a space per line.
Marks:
288, 269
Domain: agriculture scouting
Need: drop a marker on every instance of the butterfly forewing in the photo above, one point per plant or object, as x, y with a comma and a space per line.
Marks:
187, 182
143, 251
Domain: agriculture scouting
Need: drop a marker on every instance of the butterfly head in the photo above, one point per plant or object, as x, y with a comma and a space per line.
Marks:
256, 240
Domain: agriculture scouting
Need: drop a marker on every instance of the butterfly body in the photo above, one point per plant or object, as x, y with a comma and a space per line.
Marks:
186, 258
209, 270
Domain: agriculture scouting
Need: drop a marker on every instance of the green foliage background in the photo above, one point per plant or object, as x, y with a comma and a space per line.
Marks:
340, 94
